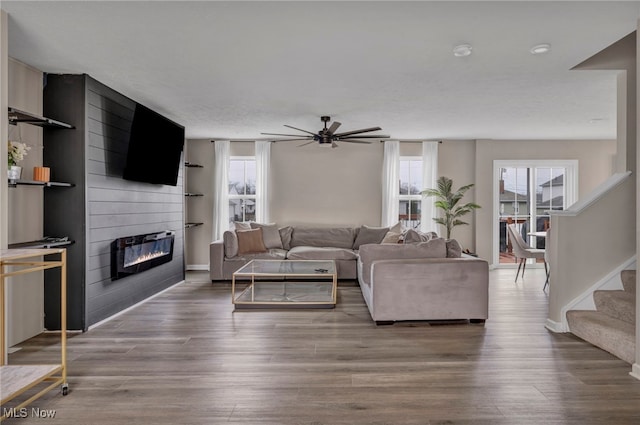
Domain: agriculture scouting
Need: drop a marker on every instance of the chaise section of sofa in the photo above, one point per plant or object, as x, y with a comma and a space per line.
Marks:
419, 282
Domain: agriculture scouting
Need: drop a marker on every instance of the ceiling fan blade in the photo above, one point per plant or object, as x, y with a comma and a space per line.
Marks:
293, 140
355, 141
334, 127
280, 134
361, 136
334, 145
299, 129
364, 130
305, 144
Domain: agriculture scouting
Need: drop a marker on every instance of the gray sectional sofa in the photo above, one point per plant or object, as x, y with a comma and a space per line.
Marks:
426, 279
420, 282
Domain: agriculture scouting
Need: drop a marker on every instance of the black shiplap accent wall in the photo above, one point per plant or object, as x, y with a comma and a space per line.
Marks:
112, 207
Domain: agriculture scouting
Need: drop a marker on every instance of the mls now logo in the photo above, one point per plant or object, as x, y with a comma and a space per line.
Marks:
35, 412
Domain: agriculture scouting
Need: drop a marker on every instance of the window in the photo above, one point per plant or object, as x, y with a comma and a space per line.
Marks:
525, 192
410, 174
242, 189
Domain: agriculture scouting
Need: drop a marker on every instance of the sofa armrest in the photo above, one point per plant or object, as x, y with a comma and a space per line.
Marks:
429, 289
216, 260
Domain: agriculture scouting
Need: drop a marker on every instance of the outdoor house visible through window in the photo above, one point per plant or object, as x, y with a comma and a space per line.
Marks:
410, 174
242, 189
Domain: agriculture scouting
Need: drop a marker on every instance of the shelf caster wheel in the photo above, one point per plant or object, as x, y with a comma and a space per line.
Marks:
65, 389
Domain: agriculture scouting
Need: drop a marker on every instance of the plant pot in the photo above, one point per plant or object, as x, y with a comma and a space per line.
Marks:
14, 172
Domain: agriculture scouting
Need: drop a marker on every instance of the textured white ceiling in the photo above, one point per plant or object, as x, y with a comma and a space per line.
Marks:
235, 69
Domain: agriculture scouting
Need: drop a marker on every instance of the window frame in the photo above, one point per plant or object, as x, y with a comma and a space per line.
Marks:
242, 197
408, 197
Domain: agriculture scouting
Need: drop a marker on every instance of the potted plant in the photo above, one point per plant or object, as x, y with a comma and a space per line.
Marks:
448, 201
16, 153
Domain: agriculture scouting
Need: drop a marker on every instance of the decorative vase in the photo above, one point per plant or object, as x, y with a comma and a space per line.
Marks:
14, 172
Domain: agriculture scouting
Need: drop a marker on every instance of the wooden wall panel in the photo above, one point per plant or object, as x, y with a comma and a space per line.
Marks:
116, 207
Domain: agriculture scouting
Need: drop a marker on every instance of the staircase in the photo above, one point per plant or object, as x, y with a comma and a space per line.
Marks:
612, 325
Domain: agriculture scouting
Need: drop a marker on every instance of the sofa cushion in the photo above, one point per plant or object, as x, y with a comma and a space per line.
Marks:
250, 241
270, 234
435, 248
336, 237
272, 254
320, 253
230, 241
368, 234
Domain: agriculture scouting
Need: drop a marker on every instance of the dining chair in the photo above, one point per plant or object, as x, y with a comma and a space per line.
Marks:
546, 257
522, 251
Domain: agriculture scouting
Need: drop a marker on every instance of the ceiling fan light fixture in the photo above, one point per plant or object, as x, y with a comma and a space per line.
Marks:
540, 49
462, 50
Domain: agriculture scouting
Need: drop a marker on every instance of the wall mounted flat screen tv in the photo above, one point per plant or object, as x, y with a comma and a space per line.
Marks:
155, 148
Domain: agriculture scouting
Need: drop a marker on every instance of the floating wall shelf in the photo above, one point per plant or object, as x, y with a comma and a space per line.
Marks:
190, 225
14, 183
192, 165
17, 116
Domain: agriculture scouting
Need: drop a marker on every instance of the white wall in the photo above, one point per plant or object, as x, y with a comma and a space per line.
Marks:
199, 209
25, 307
318, 185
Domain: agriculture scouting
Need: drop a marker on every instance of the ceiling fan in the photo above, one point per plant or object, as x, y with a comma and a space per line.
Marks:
329, 135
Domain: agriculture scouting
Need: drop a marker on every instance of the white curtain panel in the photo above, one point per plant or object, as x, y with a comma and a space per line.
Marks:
429, 181
263, 156
221, 189
390, 183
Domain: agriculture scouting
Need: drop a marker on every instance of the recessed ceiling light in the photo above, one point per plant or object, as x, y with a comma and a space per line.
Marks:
540, 49
462, 50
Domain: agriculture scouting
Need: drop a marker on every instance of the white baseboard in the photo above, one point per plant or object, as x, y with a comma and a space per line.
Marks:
198, 267
635, 371
95, 325
556, 327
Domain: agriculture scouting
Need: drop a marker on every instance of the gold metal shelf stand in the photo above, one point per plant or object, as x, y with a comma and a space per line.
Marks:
17, 379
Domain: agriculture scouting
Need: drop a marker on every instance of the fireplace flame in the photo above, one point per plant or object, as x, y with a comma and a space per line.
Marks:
146, 257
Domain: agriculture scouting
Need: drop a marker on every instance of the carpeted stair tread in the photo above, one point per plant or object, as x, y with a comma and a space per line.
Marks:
612, 335
618, 304
628, 280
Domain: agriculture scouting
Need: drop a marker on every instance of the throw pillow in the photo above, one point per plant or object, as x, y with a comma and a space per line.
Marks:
230, 241
414, 236
250, 241
454, 250
270, 234
241, 225
368, 235
391, 237
285, 236
394, 234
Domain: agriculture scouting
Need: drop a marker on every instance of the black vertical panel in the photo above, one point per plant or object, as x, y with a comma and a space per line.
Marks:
102, 206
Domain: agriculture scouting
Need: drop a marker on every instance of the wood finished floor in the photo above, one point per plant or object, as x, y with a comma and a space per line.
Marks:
186, 358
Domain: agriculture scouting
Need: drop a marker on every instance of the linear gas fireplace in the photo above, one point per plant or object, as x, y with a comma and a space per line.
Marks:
135, 254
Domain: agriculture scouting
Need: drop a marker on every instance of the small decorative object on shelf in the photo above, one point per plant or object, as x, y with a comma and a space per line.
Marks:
41, 174
16, 153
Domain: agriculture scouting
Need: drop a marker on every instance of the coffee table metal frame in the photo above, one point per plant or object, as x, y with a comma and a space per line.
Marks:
258, 276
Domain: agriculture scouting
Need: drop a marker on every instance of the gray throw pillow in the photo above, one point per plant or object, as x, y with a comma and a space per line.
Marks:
454, 250
415, 236
270, 234
241, 225
285, 236
367, 235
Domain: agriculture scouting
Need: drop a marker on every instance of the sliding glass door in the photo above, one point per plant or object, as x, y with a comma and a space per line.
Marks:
524, 193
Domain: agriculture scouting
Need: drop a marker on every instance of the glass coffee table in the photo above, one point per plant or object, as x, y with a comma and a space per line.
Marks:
286, 284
